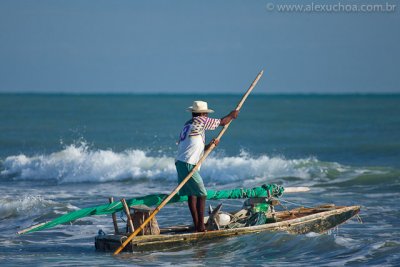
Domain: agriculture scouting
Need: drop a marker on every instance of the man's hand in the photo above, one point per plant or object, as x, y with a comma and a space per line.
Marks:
234, 114
214, 141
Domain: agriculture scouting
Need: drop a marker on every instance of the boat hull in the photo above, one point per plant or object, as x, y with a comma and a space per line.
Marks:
318, 220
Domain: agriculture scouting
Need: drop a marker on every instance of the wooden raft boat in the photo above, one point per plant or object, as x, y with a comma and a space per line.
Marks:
296, 221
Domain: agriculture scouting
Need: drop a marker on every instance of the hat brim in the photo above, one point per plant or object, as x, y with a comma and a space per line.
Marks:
190, 109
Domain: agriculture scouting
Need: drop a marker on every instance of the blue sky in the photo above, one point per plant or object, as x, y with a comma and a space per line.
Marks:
194, 46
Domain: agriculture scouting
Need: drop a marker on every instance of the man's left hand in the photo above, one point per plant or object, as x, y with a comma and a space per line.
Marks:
214, 141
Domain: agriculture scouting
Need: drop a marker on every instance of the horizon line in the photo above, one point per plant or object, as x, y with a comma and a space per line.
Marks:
201, 93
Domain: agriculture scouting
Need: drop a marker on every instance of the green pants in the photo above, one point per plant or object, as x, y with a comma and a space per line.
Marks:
194, 186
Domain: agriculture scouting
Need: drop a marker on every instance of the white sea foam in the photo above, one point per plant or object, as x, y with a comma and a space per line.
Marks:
346, 242
261, 169
313, 234
79, 163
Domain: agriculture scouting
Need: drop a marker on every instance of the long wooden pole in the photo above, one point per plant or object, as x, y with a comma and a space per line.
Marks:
176, 190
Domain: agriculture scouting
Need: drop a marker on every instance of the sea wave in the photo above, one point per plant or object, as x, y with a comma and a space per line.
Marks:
26, 205
80, 163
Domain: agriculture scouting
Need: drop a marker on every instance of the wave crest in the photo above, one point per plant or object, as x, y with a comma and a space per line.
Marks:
79, 163
23, 206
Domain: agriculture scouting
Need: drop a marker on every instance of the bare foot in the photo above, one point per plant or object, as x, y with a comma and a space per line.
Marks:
201, 228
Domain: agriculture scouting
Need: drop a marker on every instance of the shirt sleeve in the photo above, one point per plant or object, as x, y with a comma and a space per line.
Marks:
211, 124
201, 124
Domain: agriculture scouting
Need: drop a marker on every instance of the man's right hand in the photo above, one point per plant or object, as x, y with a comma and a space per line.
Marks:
234, 114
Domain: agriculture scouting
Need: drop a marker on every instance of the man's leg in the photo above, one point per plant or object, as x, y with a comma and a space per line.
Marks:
192, 202
201, 203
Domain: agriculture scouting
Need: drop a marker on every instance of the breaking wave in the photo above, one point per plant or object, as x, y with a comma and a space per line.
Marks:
24, 206
79, 163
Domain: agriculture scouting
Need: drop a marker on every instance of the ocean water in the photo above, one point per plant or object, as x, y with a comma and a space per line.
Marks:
59, 153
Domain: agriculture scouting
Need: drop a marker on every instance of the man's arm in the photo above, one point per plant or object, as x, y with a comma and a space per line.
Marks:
224, 121
231, 116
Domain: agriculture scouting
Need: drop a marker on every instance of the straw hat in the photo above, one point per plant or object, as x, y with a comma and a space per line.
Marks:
199, 107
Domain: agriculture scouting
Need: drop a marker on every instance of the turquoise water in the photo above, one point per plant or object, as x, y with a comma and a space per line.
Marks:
62, 152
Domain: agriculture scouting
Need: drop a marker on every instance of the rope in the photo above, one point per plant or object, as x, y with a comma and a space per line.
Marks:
286, 209
296, 204
359, 219
120, 216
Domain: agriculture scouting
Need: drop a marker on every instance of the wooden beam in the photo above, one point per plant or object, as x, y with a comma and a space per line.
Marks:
30, 228
128, 215
298, 189
114, 217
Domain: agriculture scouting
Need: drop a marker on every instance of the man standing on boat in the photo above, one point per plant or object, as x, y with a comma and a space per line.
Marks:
190, 149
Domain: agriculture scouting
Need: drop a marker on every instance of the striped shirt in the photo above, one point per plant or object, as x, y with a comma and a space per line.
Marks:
192, 138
